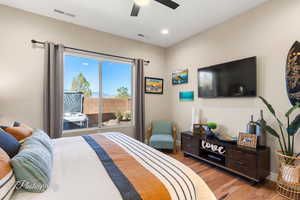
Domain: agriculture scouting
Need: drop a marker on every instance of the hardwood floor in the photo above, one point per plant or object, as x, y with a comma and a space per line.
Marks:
227, 186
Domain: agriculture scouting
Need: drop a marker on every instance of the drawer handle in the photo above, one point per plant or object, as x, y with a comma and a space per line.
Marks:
239, 162
237, 151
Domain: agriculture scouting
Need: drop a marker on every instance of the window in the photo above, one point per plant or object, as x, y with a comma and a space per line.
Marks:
97, 93
116, 93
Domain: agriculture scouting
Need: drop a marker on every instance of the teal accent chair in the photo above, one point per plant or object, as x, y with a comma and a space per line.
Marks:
162, 135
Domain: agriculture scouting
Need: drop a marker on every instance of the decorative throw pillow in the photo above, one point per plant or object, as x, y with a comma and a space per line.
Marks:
19, 124
43, 138
33, 164
7, 178
9, 144
20, 133
3, 127
19, 130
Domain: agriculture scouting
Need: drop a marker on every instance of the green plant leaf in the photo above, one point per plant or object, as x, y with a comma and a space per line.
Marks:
292, 109
212, 125
294, 126
271, 109
270, 130
262, 125
269, 106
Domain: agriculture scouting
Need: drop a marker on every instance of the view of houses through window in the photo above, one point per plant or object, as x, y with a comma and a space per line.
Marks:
97, 93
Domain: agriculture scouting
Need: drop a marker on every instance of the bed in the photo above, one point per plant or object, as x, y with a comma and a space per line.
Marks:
113, 166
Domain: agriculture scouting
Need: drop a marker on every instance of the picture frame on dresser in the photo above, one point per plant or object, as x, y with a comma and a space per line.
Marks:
247, 140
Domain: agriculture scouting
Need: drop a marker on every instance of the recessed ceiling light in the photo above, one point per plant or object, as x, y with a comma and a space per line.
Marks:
142, 2
165, 31
85, 64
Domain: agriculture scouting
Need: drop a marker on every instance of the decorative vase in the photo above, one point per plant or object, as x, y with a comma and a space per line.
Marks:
261, 132
251, 126
209, 132
290, 173
195, 117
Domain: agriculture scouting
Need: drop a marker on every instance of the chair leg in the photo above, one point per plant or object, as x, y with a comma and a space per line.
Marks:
175, 149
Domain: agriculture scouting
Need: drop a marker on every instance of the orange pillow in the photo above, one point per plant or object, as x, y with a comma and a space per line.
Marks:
19, 124
20, 133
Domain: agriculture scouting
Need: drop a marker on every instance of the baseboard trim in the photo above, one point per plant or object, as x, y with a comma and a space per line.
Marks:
272, 177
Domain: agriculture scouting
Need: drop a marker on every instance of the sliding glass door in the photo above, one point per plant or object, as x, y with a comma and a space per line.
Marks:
97, 93
116, 93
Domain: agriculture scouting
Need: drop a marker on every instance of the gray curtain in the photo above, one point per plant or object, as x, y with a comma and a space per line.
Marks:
53, 90
139, 101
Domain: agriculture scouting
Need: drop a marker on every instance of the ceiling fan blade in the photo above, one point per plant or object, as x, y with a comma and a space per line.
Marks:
169, 3
135, 10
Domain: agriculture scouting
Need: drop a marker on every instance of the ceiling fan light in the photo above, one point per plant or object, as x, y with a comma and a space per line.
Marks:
142, 2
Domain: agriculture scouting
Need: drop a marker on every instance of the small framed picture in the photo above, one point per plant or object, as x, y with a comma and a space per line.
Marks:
186, 96
247, 140
198, 129
180, 77
154, 85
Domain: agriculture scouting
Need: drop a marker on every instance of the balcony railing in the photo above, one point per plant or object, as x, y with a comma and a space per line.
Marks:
111, 106
111, 109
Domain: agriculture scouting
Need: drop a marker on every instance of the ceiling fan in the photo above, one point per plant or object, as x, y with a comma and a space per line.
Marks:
139, 3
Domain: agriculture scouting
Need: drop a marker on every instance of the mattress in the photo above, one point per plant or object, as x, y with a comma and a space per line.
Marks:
113, 166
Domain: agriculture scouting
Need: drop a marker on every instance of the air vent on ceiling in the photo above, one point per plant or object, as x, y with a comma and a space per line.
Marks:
64, 13
141, 35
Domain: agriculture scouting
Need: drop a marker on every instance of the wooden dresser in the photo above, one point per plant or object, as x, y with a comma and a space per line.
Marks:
253, 164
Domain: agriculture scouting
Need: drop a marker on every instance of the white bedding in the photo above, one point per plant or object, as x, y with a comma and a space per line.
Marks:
79, 175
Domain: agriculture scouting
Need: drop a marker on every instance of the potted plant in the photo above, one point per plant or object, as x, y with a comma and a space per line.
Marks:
210, 126
118, 116
289, 166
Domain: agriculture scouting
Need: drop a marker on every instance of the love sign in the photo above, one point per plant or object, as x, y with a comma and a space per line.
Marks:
213, 147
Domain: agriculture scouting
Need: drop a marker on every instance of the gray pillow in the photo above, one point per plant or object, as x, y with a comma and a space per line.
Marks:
33, 164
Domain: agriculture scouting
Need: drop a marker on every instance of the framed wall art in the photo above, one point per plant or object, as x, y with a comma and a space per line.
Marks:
186, 96
154, 85
180, 77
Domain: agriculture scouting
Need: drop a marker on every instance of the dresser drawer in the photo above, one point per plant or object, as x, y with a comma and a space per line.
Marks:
242, 162
189, 144
244, 168
242, 156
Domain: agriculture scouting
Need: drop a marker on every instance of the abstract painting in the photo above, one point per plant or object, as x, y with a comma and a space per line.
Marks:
180, 77
154, 85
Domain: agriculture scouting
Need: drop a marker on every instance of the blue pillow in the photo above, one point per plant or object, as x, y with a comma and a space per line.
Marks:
9, 143
33, 164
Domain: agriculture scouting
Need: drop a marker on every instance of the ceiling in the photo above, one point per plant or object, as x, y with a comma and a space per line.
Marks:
113, 16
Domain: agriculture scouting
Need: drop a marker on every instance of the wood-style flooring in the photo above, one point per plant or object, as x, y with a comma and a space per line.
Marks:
227, 186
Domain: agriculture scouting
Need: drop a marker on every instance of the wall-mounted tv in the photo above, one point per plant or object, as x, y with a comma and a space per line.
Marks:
232, 79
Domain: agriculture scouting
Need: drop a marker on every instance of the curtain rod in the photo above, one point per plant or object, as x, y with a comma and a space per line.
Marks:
93, 52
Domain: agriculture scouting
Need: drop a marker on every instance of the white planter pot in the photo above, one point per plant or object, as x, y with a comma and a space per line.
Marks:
291, 174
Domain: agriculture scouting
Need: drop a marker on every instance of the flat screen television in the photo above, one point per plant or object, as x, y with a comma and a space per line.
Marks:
231, 79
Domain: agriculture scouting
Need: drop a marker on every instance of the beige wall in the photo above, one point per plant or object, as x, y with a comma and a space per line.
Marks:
266, 32
21, 65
